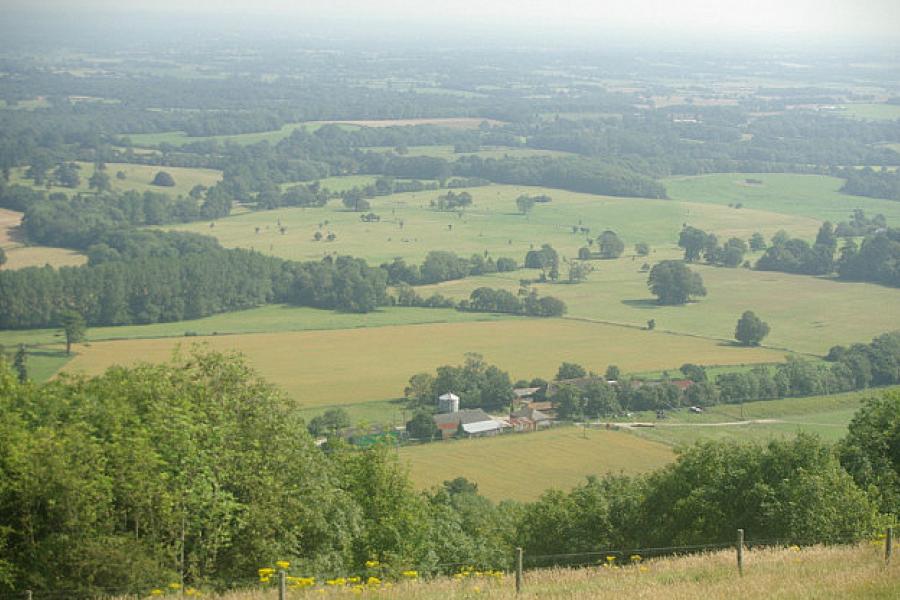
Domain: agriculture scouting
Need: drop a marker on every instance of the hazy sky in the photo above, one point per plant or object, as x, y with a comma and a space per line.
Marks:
821, 18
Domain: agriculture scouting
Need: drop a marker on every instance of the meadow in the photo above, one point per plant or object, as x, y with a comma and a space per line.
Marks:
813, 196
853, 572
806, 314
871, 112
448, 153
521, 466
409, 228
343, 366
180, 138
137, 178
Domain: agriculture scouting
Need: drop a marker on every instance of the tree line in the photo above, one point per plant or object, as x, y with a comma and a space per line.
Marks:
199, 470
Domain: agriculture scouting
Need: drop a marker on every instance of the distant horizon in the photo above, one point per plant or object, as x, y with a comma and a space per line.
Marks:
838, 24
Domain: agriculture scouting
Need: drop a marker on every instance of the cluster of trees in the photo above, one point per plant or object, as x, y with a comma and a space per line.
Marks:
478, 385
452, 201
442, 265
872, 183
797, 256
546, 259
485, 299
199, 470
697, 243
876, 259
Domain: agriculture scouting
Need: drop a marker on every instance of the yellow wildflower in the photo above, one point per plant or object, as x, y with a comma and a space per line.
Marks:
191, 592
410, 574
610, 559
635, 558
282, 564
371, 564
373, 581
156, 592
353, 580
266, 571
175, 585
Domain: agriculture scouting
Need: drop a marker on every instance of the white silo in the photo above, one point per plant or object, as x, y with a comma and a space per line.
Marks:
448, 403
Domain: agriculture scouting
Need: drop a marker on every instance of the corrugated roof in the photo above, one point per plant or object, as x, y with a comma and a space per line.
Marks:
473, 415
481, 426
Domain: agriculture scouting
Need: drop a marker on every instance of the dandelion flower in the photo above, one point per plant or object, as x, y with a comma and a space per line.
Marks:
156, 592
635, 558
410, 574
174, 586
371, 564
610, 558
282, 564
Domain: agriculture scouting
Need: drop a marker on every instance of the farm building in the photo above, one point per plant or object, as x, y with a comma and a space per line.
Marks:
471, 423
529, 419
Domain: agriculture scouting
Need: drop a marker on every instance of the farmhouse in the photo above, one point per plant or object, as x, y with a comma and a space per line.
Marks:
470, 423
529, 419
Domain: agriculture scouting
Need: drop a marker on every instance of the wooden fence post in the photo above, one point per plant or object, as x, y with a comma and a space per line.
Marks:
888, 544
28, 595
282, 585
740, 551
518, 570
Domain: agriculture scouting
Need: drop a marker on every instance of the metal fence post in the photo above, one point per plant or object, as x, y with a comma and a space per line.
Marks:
740, 551
518, 570
282, 585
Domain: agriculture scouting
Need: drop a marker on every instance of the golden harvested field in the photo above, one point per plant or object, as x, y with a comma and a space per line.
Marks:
18, 255
814, 573
522, 466
354, 365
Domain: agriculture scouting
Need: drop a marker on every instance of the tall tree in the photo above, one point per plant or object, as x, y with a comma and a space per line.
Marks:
20, 364
611, 246
750, 329
673, 283
73, 326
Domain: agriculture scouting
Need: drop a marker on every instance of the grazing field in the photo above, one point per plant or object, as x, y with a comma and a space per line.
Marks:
871, 112
855, 572
825, 416
806, 314
180, 138
522, 466
137, 177
813, 196
409, 228
323, 368
19, 255
447, 152
272, 318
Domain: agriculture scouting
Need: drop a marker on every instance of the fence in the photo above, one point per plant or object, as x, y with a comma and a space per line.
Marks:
521, 562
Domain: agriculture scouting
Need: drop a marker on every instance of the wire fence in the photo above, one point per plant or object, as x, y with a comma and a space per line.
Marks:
520, 562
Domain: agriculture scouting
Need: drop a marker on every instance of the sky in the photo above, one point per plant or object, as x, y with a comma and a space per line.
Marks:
808, 18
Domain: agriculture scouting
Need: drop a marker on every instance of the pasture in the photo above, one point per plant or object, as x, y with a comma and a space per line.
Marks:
409, 228
137, 178
344, 366
812, 196
521, 466
448, 153
871, 111
806, 314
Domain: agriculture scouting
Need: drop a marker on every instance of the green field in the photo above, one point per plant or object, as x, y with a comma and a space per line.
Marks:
522, 466
348, 366
137, 177
180, 138
871, 112
272, 318
446, 152
813, 196
491, 224
806, 314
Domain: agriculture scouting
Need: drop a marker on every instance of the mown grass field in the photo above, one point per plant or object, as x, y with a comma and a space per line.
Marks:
18, 255
492, 224
871, 112
806, 314
137, 177
348, 366
447, 152
180, 138
522, 466
856, 572
813, 196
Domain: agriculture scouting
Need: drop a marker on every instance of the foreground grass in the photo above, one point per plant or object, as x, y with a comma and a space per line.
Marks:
837, 572
522, 466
